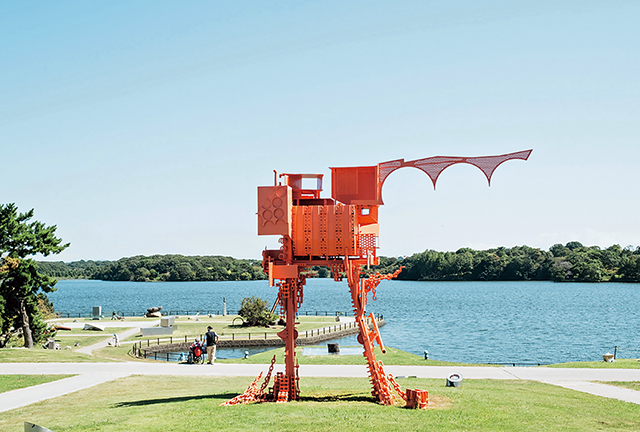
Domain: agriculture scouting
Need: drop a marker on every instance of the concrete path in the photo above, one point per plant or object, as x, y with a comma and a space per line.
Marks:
89, 349
600, 389
26, 396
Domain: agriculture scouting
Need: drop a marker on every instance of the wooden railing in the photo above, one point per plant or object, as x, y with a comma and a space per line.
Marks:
351, 327
203, 312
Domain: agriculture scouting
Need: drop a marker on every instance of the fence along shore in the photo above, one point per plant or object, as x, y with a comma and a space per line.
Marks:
154, 347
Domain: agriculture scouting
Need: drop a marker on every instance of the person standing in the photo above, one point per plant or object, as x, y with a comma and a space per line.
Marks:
212, 340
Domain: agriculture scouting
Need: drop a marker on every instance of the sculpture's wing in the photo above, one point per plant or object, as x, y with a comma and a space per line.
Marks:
433, 166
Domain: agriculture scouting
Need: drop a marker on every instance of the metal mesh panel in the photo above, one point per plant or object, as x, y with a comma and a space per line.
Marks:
366, 243
433, 166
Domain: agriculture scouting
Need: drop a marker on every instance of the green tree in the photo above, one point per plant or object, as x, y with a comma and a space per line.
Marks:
323, 272
560, 270
20, 281
588, 271
558, 250
255, 312
612, 257
142, 274
182, 272
488, 266
573, 245
630, 270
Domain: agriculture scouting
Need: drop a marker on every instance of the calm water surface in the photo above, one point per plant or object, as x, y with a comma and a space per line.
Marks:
476, 322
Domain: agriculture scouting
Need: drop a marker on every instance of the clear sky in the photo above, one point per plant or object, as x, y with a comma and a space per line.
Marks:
144, 127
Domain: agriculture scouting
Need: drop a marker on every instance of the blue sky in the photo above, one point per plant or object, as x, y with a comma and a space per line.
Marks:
145, 127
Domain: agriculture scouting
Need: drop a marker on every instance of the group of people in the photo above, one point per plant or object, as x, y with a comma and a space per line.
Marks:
211, 340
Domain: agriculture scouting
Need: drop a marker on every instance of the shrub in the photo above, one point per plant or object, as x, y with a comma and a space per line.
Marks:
255, 312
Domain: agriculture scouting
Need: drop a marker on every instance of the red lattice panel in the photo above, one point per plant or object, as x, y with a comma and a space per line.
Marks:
433, 166
367, 243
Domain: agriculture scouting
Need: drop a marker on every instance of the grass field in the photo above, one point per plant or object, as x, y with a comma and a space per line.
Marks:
618, 364
21, 355
225, 327
172, 403
153, 403
13, 382
393, 356
626, 384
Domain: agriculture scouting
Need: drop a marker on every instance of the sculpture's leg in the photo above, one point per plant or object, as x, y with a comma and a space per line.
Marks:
381, 388
289, 296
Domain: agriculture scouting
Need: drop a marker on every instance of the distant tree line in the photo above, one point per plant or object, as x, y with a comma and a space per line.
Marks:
561, 263
71, 270
158, 268
571, 262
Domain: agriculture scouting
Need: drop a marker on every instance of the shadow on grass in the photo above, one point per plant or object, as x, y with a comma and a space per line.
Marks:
346, 397
223, 397
145, 402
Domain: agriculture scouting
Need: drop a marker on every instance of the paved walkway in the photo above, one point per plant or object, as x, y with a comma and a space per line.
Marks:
89, 349
91, 374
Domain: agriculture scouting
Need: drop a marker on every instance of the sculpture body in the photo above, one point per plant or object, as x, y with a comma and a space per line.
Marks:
341, 233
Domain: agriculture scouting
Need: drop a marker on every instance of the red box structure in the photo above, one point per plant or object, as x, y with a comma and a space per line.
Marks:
355, 185
274, 210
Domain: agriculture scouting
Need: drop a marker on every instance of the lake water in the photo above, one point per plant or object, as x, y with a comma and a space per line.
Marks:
475, 322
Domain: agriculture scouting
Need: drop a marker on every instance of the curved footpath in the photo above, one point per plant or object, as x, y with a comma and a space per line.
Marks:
90, 374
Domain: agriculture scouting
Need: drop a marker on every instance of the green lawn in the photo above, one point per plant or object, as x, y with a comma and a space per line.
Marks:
83, 341
173, 403
39, 355
13, 382
224, 326
393, 356
121, 353
107, 331
633, 385
618, 364
168, 403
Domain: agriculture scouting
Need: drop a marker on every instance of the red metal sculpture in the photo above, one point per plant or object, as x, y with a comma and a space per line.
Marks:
341, 233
